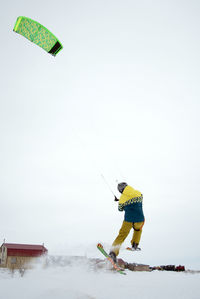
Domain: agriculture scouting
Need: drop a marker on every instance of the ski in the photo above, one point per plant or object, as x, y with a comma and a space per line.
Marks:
133, 249
115, 266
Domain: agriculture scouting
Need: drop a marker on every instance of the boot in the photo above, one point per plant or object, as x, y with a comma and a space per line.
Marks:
112, 255
135, 246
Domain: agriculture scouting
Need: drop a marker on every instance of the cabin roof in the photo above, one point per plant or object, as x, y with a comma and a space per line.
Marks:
24, 246
24, 249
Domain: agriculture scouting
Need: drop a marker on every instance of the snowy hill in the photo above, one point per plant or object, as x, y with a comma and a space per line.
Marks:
80, 278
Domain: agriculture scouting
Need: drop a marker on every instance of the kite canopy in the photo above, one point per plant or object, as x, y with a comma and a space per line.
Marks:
38, 34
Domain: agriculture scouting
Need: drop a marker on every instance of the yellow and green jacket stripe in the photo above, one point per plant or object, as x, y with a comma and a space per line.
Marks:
131, 202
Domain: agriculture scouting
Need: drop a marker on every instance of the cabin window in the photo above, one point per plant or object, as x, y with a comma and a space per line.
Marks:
13, 260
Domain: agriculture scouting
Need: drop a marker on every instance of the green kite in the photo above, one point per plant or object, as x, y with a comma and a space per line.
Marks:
38, 34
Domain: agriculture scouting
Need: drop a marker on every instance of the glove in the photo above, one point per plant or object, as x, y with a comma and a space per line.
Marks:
116, 199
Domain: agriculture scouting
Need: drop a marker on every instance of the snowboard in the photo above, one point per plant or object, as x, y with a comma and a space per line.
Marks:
115, 266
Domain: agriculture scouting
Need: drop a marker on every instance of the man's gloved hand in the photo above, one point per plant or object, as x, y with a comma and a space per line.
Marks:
116, 199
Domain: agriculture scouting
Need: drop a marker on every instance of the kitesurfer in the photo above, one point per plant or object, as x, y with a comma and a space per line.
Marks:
131, 202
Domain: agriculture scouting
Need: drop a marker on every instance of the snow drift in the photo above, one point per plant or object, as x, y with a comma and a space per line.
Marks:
80, 278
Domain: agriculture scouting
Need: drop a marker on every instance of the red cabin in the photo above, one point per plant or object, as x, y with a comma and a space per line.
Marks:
18, 255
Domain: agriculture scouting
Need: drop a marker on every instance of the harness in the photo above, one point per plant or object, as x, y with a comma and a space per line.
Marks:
139, 229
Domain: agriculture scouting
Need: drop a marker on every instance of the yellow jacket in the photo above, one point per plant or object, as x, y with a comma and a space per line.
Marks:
129, 193
131, 202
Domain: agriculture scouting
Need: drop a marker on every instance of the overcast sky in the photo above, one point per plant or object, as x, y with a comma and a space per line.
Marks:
121, 99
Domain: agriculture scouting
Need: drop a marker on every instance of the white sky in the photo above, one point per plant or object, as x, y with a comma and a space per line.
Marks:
121, 99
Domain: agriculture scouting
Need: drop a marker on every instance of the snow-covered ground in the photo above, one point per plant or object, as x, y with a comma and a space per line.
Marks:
81, 279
